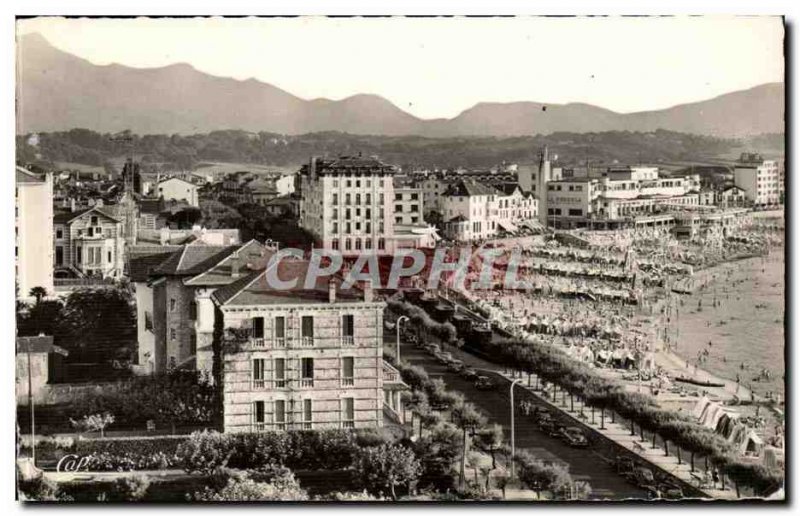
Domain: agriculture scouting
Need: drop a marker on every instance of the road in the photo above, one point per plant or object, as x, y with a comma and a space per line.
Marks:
592, 465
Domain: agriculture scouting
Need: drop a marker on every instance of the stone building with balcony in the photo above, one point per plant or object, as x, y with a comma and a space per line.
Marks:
303, 358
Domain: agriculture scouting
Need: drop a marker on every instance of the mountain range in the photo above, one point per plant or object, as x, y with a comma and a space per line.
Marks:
59, 91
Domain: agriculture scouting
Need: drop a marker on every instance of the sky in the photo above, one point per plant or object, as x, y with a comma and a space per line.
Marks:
438, 67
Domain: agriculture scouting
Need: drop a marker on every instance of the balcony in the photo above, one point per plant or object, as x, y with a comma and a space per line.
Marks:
347, 340
259, 384
348, 382
258, 342
348, 424
280, 383
279, 342
259, 427
307, 342
307, 425
306, 382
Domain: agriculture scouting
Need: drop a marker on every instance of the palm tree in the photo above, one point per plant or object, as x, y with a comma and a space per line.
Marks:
38, 293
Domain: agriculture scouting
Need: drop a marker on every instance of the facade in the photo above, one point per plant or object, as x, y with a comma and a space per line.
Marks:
408, 206
469, 210
762, 180
178, 189
347, 203
305, 359
173, 287
34, 232
89, 243
731, 196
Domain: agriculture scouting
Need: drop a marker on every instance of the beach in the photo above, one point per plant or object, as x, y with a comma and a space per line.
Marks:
741, 313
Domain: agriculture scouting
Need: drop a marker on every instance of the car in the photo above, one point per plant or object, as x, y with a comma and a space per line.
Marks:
443, 358
468, 373
670, 490
455, 365
624, 465
641, 477
432, 349
555, 430
574, 437
484, 383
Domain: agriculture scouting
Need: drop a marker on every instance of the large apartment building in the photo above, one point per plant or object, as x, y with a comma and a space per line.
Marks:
762, 180
347, 203
301, 358
34, 232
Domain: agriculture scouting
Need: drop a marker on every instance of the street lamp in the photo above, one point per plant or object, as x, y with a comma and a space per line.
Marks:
397, 343
511, 390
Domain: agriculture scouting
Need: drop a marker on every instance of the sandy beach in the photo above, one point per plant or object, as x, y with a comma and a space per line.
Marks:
741, 313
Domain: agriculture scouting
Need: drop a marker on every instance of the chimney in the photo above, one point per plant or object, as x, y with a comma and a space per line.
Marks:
331, 291
235, 264
368, 297
72, 204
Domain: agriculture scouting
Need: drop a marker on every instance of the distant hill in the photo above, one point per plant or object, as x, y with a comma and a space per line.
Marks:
59, 91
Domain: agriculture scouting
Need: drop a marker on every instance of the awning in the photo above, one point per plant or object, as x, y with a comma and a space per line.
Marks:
508, 226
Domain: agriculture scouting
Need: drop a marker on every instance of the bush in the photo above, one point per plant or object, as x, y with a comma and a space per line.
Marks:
244, 487
131, 488
383, 468
130, 454
205, 452
39, 490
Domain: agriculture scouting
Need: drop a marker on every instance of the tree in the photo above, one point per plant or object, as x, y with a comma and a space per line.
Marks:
468, 419
386, 467
439, 450
490, 440
93, 423
246, 489
417, 402
39, 293
99, 325
45, 317
204, 452
131, 488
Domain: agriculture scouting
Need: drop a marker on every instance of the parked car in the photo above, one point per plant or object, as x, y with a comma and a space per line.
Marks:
455, 365
484, 383
574, 437
641, 477
444, 358
670, 490
555, 430
468, 373
624, 465
432, 349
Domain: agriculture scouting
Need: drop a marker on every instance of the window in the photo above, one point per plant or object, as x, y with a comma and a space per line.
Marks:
193, 344
193, 311
414, 197
368, 227
358, 198
79, 255
307, 330
348, 413
80, 232
348, 371
258, 373
348, 329
381, 243
257, 327
335, 244
172, 304
90, 231
380, 201
258, 415
335, 227
148, 321
358, 244
94, 221
369, 197
172, 334
280, 415
576, 212
369, 213
347, 214
398, 208
59, 255
368, 242
308, 415
59, 233
279, 373
398, 197
109, 256
306, 372
347, 244
335, 198
280, 331
347, 197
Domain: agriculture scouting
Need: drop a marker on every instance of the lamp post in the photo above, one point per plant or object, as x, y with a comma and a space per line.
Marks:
397, 352
513, 449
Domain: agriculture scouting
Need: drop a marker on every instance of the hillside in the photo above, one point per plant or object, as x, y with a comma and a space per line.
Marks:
58, 91
169, 152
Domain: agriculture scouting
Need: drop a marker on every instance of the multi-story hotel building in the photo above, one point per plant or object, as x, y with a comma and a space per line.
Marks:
301, 358
348, 204
762, 180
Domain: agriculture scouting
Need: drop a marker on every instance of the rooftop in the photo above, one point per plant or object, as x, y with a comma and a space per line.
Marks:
470, 188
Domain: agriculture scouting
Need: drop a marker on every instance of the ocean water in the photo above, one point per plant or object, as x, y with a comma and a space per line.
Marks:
745, 328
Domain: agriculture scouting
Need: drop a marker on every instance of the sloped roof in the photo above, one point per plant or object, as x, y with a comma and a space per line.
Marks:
470, 188
251, 255
254, 289
507, 188
177, 179
194, 258
143, 260
151, 206
65, 217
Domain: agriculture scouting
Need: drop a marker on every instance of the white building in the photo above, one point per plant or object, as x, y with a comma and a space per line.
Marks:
34, 232
760, 179
177, 189
351, 205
